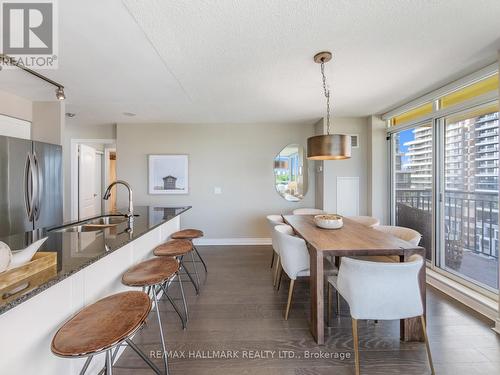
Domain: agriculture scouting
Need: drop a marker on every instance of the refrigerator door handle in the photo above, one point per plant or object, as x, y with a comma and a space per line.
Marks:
39, 186
29, 185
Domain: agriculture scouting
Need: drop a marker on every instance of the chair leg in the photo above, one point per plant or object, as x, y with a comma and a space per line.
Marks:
278, 265
183, 296
195, 270
427, 346
145, 358
174, 305
329, 309
109, 363
86, 365
201, 259
162, 338
189, 276
272, 260
280, 275
290, 295
337, 306
356, 344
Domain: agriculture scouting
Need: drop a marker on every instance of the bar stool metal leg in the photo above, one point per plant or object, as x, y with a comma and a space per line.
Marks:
109, 363
199, 256
174, 305
144, 357
183, 297
195, 270
189, 275
157, 308
86, 365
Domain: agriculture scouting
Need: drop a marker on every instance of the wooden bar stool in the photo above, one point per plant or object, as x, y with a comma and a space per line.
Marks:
153, 274
102, 326
190, 234
177, 249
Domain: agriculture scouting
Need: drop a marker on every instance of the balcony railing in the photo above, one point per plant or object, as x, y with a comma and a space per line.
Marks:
471, 219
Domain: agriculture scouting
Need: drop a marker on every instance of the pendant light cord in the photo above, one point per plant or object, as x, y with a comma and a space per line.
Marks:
327, 96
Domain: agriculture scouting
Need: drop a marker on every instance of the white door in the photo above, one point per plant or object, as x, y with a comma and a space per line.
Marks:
86, 182
348, 196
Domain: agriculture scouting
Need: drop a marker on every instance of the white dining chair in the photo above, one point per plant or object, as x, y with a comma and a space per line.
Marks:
406, 234
381, 291
367, 221
308, 211
403, 233
272, 221
294, 257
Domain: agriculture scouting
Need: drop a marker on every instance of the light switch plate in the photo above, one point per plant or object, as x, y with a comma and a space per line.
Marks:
217, 190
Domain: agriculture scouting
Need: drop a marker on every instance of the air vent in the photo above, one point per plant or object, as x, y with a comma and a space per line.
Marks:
354, 140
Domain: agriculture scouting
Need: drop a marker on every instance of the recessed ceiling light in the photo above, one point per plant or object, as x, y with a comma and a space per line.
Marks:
129, 114
70, 114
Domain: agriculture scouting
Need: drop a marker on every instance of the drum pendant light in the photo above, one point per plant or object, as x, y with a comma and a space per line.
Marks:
328, 146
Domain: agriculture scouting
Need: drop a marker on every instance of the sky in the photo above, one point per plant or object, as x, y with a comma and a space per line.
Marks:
405, 136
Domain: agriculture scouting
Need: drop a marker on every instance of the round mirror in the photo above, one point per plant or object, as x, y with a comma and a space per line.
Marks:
290, 173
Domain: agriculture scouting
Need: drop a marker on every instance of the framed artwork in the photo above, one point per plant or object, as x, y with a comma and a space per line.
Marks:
168, 174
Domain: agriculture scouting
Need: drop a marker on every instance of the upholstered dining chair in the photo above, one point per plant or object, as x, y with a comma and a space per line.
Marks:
403, 233
272, 221
308, 211
381, 291
367, 221
406, 234
294, 257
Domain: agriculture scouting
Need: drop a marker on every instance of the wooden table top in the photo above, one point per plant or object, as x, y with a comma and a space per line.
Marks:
352, 239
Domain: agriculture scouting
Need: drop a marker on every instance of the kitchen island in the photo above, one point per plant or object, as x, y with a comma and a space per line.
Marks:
89, 267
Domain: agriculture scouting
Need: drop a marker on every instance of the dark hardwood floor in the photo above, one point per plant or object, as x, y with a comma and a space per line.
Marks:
239, 312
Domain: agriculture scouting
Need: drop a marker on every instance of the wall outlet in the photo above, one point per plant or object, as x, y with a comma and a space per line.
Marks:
217, 190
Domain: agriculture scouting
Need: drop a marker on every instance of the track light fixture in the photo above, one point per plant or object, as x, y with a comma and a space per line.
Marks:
60, 93
6, 59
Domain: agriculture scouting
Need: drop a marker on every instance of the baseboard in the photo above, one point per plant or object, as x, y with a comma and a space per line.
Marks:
476, 301
232, 241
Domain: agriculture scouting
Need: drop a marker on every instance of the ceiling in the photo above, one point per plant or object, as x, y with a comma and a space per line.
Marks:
241, 61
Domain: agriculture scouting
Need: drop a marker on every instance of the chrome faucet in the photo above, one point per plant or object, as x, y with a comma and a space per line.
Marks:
107, 194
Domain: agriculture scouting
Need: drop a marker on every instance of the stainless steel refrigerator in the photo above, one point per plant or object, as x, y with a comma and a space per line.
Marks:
31, 194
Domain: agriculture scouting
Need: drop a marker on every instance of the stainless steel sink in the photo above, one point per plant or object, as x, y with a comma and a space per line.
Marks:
76, 228
93, 225
107, 220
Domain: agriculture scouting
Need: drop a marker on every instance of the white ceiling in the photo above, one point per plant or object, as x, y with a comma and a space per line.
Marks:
241, 61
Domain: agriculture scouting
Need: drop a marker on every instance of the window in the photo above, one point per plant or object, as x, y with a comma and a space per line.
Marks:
445, 171
412, 114
469, 206
469, 92
412, 176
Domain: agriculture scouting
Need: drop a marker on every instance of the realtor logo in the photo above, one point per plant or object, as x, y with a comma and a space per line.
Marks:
29, 32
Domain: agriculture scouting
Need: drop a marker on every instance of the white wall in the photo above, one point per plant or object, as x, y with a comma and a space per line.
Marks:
378, 171
73, 131
15, 106
47, 118
48, 122
236, 157
356, 166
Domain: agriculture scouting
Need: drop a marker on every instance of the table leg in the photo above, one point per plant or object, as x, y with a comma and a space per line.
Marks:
411, 329
317, 299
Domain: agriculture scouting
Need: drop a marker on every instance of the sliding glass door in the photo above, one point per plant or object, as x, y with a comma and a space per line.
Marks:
445, 178
445, 174
469, 196
413, 180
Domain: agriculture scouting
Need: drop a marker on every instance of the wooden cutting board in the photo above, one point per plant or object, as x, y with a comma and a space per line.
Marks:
17, 280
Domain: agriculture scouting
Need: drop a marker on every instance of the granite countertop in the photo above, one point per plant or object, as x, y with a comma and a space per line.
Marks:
77, 250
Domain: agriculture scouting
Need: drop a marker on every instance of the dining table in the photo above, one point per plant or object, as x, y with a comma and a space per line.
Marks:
352, 239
